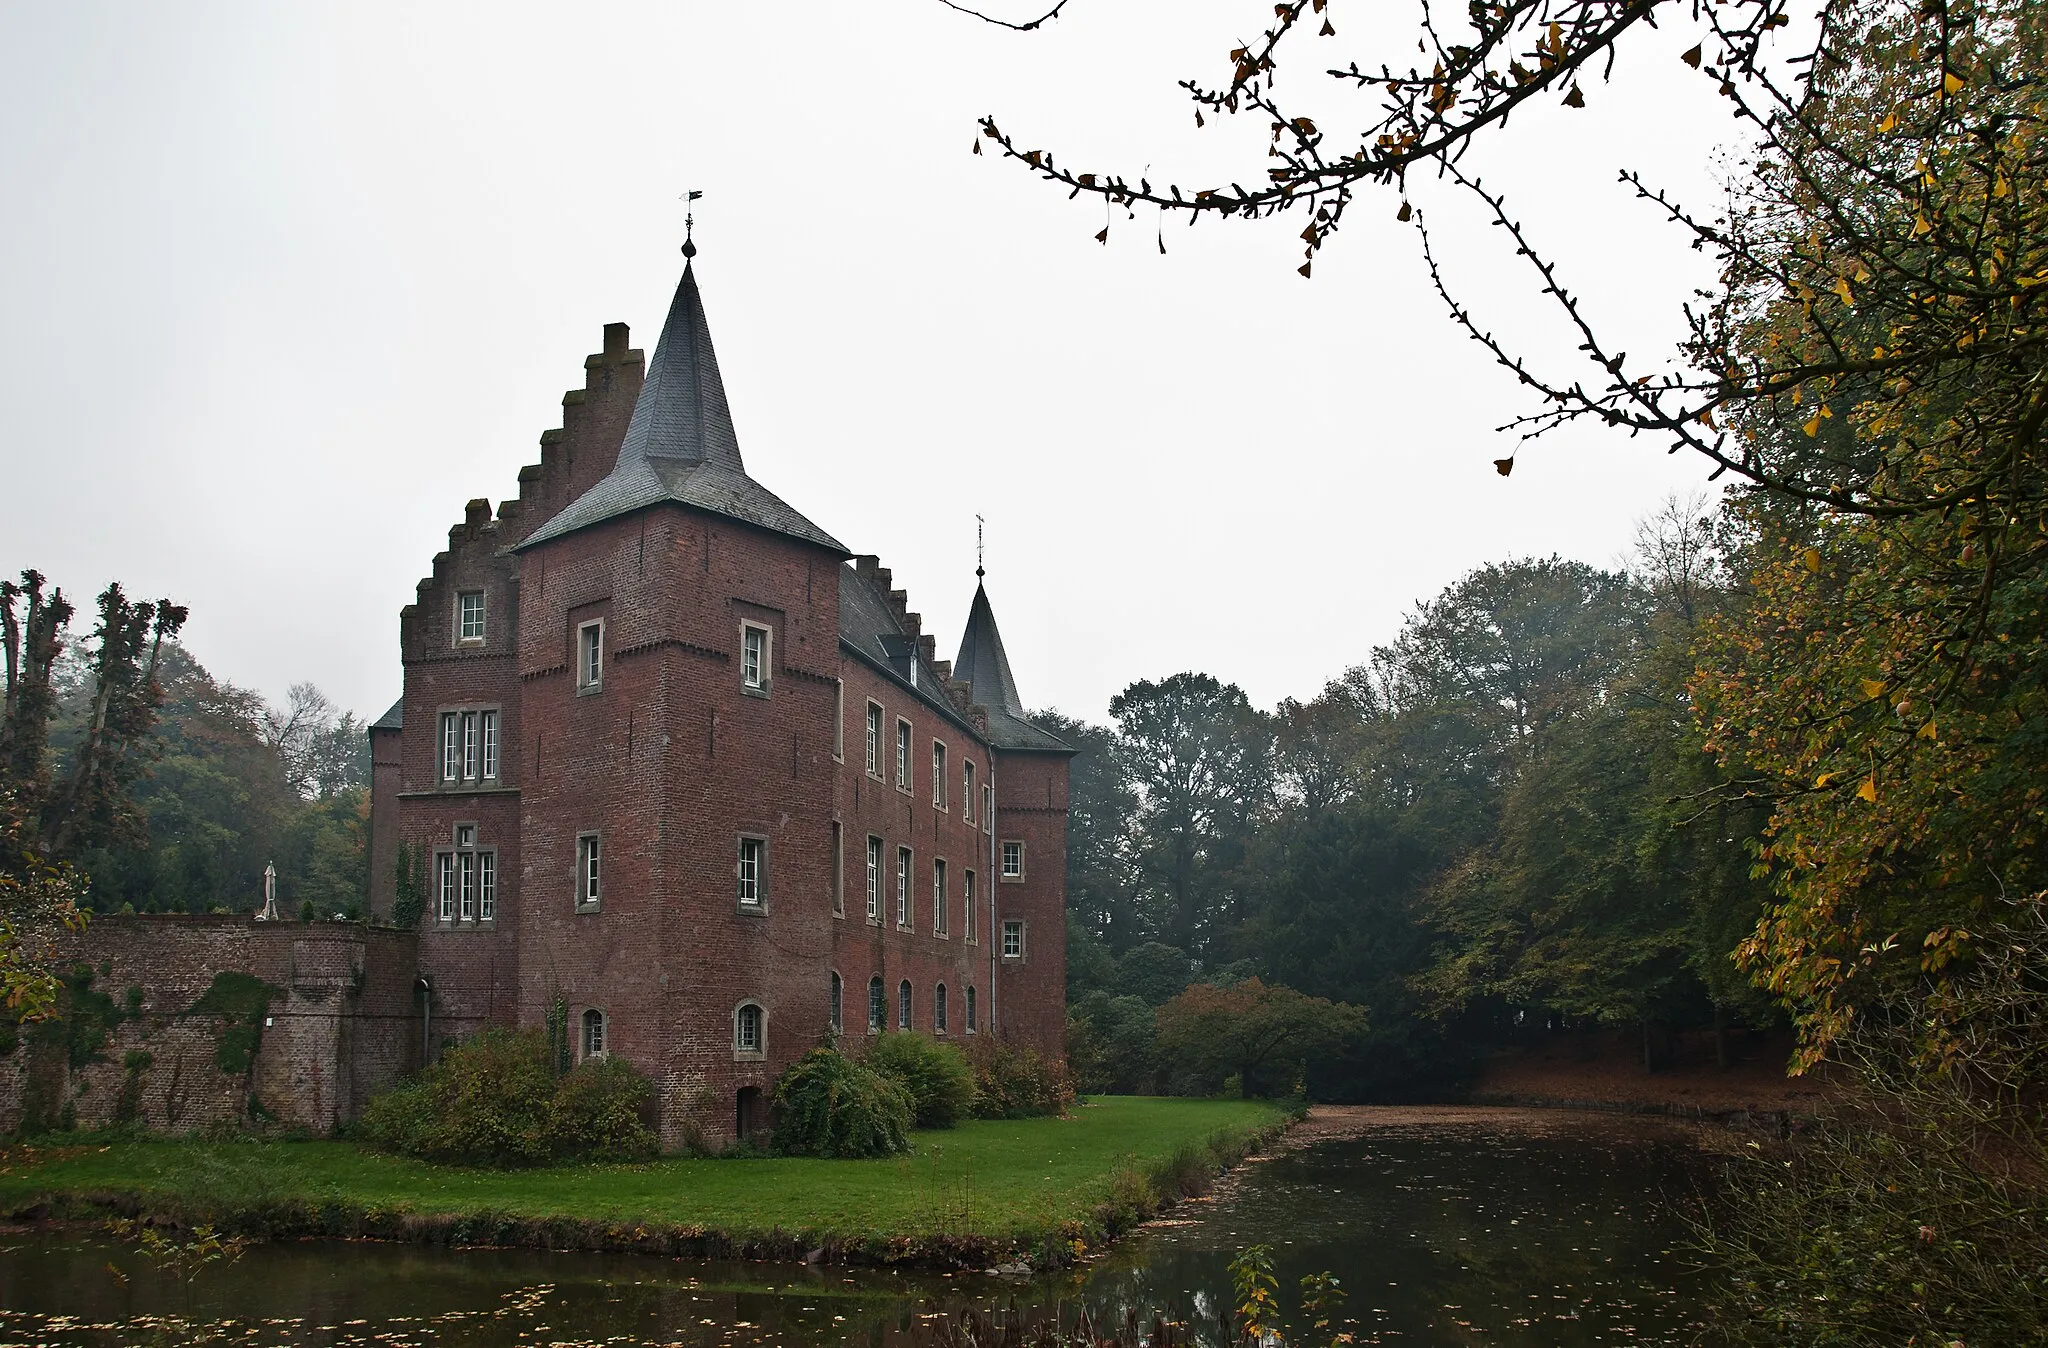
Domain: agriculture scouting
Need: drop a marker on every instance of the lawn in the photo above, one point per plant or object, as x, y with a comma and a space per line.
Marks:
995, 1179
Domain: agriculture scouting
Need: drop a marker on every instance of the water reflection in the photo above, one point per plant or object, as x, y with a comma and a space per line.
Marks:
1445, 1234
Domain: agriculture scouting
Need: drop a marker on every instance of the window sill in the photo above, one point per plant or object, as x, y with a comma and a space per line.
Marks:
589, 689
749, 1055
751, 909
1011, 879
597, 907
751, 691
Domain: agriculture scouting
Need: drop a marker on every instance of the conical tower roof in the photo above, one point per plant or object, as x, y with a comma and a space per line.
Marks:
983, 663
680, 445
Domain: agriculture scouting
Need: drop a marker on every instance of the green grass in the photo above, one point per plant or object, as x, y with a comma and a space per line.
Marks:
1000, 1180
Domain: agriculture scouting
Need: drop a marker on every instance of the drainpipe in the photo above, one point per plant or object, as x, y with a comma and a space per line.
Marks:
994, 935
426, 987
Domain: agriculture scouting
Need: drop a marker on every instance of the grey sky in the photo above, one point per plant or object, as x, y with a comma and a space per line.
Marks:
285, 285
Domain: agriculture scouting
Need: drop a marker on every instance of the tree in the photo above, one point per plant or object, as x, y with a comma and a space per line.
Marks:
1200, 758
1265, 1036
1102, 890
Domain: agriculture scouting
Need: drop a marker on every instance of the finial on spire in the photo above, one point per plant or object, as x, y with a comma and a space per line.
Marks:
978, 572
689, 225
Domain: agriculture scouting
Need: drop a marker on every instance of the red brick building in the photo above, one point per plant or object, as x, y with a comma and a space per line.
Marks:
676, 767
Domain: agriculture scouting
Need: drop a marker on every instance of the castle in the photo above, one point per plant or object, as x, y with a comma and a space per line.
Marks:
677, 774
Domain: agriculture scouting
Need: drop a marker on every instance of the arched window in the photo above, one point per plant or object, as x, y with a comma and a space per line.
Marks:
939, 1009
971, 1026
903, 1005
593, 1033
875, 1005
749, 1029
838, 992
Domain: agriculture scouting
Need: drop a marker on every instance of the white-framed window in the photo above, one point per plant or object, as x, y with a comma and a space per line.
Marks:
838, 998
903, 888
469, 615
451, 746
750, 1030
490, 737
939, 1009
875, 1006
967, 790
939, 923
838, 870
593, 1033
754, 656
753, 872
903, 996
1013, 938
902, 755
466, 910
590, 655
487, 886
967, 908
589, 871
1013, 859
874, 739
938, 775
472, 746
874, 879
444, 908
971, 1026
839, 720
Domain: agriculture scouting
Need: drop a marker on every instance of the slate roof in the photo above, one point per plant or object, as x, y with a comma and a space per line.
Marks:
393, 719
983, 663
680, 445
868, 627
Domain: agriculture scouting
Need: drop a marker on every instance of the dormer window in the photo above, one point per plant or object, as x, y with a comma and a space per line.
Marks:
469, 625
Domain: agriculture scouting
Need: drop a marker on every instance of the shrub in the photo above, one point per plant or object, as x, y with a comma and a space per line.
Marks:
1016, 1083
597, 1110
401, 1119
829, 1105
940, 1083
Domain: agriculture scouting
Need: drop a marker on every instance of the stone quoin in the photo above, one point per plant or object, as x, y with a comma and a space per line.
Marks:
682, 774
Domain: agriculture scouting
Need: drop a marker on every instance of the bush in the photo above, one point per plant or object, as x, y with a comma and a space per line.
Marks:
597, 1110
940, 1083
1016, 1083
494, 1101
829, 1105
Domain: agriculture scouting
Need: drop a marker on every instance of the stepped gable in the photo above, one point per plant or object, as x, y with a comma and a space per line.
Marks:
985, 668
680, 445
876, 624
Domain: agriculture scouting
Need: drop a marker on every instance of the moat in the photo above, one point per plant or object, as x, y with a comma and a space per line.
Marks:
1444, 1227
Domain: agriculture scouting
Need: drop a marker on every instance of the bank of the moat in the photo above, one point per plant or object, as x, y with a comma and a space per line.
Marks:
1445, 1227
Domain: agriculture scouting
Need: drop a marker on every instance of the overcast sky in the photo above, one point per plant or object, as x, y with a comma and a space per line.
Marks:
285, 285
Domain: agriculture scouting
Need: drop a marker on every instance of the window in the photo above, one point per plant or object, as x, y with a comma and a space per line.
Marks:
903, 755
593, 1033
470, 615
874, 740
971, 1026
472, 747
875, 1004
753, 658
967, 908
939, 1009
590, 656
445, 908
988, 807
838, 870
939, 898
938, 775
451, 746
839, 720
1013, 860
874, 879
753, 872
749, 1029
1013, 938
903, 1005
490, 723
838, 992
967, 792
588, 888
903, 888
466, 880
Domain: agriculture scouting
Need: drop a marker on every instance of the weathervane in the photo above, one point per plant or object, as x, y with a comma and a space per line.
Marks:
978, 572
689, 224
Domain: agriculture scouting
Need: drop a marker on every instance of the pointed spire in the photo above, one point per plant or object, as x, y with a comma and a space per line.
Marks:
682, 413
982, 662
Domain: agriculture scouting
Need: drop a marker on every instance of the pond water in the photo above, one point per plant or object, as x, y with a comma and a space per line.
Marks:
1454, 1227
